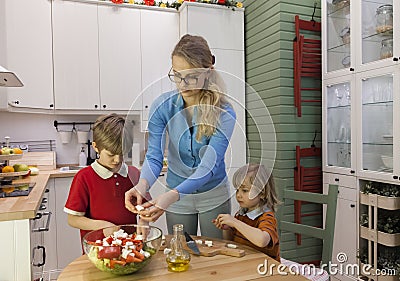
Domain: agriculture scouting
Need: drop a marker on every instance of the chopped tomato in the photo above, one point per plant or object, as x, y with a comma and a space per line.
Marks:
109, 252
109, 240
114, 262
131, 258
138, 254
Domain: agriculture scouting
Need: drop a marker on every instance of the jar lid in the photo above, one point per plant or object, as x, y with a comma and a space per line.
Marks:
345, 31
346, 60
385, 8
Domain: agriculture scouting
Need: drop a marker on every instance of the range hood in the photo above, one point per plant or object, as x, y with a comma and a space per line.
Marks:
9, 78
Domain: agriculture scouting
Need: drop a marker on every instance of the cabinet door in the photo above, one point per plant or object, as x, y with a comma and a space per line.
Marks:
230, 64
75, 51
377, 125
223, 28
339, 136
50, 237
345, 236
157, 43
119, 57
28, 52
68, 238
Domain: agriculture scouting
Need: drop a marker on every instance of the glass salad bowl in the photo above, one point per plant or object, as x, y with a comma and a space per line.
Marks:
122, 249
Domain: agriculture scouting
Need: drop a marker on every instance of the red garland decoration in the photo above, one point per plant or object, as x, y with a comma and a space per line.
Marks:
149, 2
117, 1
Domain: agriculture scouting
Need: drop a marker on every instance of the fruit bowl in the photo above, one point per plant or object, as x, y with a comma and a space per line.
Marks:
120, 249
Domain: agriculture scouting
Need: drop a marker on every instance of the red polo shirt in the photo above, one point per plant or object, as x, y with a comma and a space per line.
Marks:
99, 194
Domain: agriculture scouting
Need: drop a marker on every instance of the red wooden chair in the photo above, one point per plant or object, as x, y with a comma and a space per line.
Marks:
307, 62
307, 179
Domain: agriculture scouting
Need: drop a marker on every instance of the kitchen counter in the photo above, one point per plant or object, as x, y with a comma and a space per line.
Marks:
25, 207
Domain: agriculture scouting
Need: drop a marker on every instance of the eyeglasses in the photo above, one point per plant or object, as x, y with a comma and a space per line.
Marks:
190, 79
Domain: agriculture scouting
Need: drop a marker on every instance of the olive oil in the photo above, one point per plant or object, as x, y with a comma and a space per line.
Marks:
178, 259
178, 265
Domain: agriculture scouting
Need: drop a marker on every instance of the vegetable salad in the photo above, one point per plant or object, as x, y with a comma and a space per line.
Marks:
120, 253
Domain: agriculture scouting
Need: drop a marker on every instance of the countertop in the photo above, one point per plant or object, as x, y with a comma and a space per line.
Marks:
25, 207
219, 267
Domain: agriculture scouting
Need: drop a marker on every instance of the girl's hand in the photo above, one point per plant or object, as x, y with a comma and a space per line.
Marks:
224, 221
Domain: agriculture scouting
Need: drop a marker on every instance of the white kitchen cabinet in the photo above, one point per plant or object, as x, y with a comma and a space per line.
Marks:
157, 44
346, 225
76, 56
28, 52
69, 245
120, 60
223, 29
224, 32
361, 101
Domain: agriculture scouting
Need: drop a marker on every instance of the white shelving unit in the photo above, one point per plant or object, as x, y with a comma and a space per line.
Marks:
361, 102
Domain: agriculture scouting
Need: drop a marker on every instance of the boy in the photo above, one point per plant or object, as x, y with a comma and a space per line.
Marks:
96, 197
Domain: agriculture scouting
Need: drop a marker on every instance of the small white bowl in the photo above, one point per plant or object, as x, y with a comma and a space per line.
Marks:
387, 161
65, 136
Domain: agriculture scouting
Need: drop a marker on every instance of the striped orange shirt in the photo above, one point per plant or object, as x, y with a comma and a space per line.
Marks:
266, 222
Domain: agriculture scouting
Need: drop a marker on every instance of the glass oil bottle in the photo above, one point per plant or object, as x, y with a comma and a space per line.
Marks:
178, 259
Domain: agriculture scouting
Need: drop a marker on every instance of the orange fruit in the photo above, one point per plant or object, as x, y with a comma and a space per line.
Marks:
8, 189
7, 169
17, 150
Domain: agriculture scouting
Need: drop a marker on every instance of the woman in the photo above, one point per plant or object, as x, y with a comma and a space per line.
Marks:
198, 122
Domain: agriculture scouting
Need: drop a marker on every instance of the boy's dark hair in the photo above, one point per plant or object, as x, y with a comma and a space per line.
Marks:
110, 133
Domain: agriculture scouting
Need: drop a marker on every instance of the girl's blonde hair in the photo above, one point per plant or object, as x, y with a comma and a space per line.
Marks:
261, 181
195, 50
110, 133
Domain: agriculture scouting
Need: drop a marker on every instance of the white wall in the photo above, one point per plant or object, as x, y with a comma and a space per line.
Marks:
33, 127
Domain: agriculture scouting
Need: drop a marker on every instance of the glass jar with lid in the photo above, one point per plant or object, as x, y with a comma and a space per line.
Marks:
384, 19
345, 34
387, 48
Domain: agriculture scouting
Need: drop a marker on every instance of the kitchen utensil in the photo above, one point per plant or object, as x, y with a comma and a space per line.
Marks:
65, 136
387, 161
97, 253
83, 136
191, 244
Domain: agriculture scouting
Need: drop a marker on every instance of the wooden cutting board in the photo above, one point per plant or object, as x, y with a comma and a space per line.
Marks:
44, 160
218, 248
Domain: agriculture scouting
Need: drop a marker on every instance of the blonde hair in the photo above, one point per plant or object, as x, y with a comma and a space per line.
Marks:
109, 133
195, 50
261, 181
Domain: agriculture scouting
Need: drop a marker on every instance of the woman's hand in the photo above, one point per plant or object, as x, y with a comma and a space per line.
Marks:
153, 210
224, 221
135, 196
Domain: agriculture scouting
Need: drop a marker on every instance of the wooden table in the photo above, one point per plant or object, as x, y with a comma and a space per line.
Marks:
219, 267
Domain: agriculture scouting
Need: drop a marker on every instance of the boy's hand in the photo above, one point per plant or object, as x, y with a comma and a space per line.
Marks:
224, 221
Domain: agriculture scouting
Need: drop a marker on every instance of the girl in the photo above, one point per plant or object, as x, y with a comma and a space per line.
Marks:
254, 224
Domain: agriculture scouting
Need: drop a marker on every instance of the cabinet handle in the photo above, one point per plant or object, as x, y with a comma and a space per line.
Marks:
44, 200
336, 179
146, 106
46, 228
395, 177
351, 69
51, 105
43, 256
42, 207
47, 190
96, 106
352, 172
352, 205
395, 59
16, 102
104, 105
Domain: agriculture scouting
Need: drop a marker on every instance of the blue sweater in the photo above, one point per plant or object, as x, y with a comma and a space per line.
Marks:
192, 166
